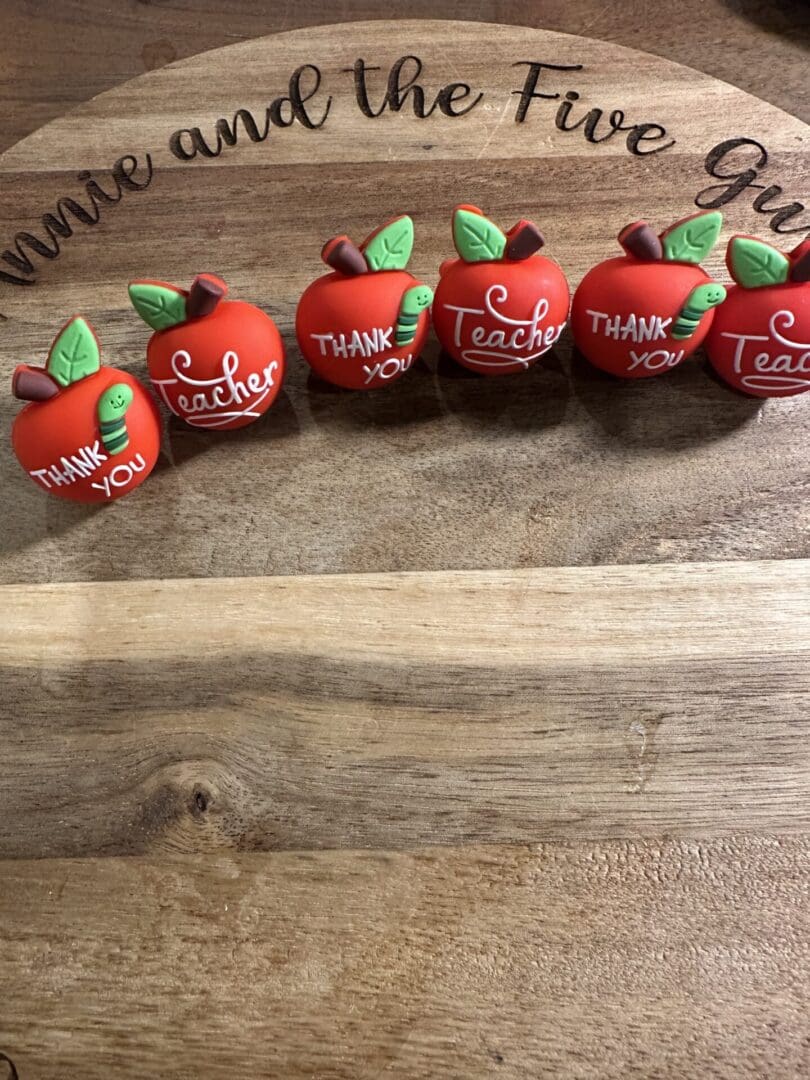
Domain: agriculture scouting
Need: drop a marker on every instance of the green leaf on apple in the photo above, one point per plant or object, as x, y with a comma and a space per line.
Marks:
74, 354
476, 238
753, 263
391, 247
160, 306
693, 239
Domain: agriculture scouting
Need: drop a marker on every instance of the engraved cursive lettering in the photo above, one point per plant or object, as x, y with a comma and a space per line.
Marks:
400, 88
283, 112
635, 134
57, 224
720, 163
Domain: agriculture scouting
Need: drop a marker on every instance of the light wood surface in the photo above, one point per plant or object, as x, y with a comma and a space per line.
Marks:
650, 721
559, 466
621, 960
394, 710
455, 823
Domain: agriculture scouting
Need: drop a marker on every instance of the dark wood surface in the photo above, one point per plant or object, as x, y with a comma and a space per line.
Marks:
55, 56
441, 470
390, 711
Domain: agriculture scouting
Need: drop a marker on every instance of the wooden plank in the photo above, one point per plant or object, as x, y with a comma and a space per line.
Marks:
393, 710
626, 960
558, 466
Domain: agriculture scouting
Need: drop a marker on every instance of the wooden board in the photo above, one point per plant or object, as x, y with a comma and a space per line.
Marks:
760, 45
394, 710
559, 466
166, 743
652, 722
623, 961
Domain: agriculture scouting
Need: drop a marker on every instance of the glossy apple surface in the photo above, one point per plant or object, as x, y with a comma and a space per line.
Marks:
345, 326
759, 342
624, 310
221, 371
62, 434
498, 317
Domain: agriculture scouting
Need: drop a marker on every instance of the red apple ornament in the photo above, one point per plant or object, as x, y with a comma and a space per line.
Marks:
89, 433
645, 312
363, 325
500, 305
215, 363
760, 338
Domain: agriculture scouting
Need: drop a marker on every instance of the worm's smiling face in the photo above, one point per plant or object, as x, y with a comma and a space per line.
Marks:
712, 294
423, 297
115, 401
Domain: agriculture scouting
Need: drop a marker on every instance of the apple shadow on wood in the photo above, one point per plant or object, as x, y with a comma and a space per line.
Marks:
35, 515
435, 387
681, 408
38, 515
184, 442
532, 400
408, 401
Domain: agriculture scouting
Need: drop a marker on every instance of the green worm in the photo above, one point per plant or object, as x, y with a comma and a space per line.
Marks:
700, 300
111, 408
413, 303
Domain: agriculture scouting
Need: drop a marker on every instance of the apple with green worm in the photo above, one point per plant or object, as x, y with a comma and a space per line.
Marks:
363, 325
644, 312
89, 433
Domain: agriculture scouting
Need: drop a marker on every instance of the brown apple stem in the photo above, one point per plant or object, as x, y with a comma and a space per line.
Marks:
523, 240
33, 384
639, 240
205, 293
343, 255
800, 271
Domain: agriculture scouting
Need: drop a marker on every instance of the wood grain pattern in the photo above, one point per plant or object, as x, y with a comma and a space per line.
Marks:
648, 724
397, 710
621, 961
558, 466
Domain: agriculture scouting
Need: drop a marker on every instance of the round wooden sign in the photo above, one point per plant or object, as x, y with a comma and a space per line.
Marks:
244, 160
